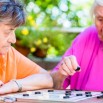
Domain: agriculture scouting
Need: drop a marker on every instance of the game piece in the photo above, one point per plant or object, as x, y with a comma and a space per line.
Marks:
99, 97
55, 96
37, 92
79, 94
25, 94
88, 95
78, 68
67, 91
87, 92
50, 90
65, 97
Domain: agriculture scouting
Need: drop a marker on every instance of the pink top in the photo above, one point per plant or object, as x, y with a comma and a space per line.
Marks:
88, 50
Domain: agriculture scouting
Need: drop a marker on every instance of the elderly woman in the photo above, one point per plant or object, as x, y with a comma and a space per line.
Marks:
17, 73
85, 56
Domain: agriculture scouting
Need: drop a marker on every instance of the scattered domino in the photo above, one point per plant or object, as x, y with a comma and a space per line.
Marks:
53, 95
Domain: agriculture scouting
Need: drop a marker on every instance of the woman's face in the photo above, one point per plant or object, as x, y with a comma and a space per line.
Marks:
7, 37
99, 21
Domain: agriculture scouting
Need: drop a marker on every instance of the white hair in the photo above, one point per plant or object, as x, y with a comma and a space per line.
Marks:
98, 2
95, 4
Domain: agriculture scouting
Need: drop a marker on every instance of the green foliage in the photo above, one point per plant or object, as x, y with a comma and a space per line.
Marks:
57, 12
43, 16
55, 42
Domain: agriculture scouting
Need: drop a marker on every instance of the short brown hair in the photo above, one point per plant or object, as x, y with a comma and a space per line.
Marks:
12, 11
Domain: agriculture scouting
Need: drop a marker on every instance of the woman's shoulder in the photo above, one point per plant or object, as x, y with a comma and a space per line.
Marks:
89, 31
91, 28
88, 34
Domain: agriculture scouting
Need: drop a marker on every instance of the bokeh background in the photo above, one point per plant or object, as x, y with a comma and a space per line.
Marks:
51, 26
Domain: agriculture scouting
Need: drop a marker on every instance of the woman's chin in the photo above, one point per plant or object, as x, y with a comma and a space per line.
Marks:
3, 52
100, 37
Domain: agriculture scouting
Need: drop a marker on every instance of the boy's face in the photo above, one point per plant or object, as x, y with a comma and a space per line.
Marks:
7, 37
99, 21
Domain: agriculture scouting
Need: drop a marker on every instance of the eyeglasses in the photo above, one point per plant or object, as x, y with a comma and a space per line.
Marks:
6, 5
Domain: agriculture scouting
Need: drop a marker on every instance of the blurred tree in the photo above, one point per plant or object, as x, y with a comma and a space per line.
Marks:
62, 13
44, 15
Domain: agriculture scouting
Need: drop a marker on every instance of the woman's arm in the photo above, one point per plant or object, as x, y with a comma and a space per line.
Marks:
37, 81
57, 80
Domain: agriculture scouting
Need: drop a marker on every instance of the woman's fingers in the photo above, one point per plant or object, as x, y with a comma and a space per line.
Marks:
74, 63
69, 66
62, 71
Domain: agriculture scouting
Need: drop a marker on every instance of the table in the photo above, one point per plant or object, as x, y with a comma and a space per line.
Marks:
53, 96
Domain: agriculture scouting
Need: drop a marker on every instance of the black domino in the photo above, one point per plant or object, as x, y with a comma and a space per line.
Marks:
25, 94
67, 92
78, 68
87, 92
50, 90
79, 94
37, 92
99, 97
88, 95
77, 90
66, 97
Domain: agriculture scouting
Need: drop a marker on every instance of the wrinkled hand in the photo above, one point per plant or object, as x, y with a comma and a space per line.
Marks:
8, 87
69, 66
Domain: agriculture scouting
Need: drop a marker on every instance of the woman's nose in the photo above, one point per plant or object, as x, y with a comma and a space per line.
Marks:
12, 38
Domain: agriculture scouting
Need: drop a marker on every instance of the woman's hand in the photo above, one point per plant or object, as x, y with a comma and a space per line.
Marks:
69, 66
8, 87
